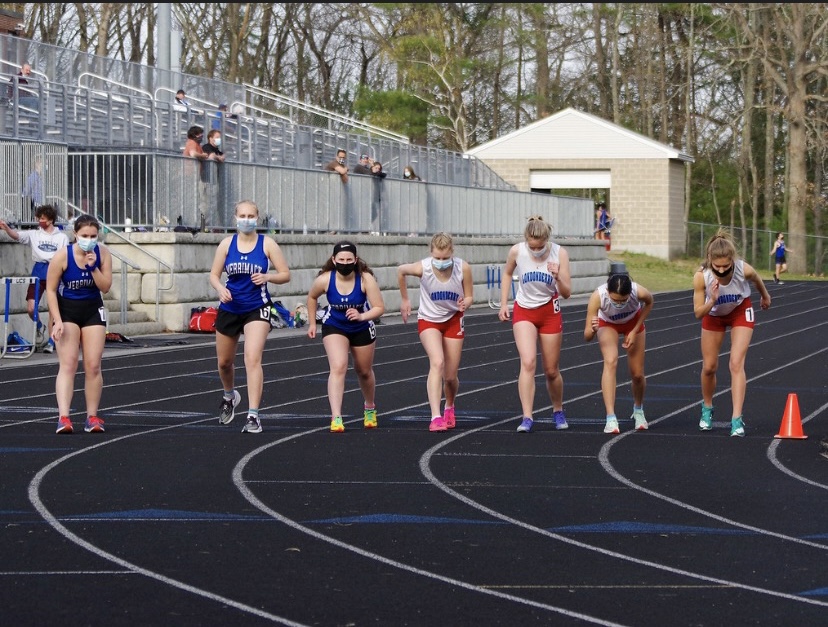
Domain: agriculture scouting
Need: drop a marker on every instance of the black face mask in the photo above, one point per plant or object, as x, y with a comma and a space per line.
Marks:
345, 268
722, 274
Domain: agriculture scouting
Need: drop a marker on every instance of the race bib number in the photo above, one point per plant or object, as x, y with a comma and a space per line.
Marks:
556, 305
749, 314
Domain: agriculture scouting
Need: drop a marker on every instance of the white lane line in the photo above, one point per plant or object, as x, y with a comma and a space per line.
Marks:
772, 450
34, 498
241, 485
425, 468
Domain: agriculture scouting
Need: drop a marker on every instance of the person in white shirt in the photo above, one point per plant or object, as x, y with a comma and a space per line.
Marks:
542, 268
721, 299
619, 307
446, 292
44, 242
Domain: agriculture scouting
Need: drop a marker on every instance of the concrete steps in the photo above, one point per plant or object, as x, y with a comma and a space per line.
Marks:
137, 322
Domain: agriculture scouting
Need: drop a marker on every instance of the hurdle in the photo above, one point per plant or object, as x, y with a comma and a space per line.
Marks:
18, 352
493, 284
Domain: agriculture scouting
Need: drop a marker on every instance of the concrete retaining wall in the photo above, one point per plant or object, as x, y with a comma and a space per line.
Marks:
192, 255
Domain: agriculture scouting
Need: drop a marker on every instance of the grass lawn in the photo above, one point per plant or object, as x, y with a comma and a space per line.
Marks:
658, 275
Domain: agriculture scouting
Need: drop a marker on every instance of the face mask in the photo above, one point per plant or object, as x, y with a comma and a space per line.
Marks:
441, 264
619, 305
345, 268
722, 274
87, 243
539, 254
218, 141
407, 174
341, 161
246, 225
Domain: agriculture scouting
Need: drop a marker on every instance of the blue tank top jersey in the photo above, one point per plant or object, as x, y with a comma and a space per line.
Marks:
77, 283
338, 304
247, 296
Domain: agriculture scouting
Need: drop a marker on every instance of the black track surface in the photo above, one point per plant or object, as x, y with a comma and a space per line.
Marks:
171, 519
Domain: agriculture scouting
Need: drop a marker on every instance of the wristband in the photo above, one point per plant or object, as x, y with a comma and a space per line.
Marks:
90, 268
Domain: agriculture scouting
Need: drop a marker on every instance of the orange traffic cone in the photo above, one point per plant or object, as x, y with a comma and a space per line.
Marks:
791, 427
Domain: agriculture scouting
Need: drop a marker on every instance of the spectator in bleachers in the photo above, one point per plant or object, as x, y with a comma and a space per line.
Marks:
364, 165
376, 170
35, 188
181, 103
213, 146
410, 175
338, 165
220, 115
26, 97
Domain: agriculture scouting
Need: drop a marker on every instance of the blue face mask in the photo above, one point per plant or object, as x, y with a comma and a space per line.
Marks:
246, 225
619, 305
87, 243
442, 264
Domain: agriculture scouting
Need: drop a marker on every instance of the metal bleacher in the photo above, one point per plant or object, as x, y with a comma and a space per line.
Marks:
93, 103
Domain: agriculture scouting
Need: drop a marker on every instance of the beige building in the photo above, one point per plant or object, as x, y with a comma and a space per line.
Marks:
571, 150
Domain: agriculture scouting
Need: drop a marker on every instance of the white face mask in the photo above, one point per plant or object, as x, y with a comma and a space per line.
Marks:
246, 225
218, 141
441, 264
539, 254
87, 243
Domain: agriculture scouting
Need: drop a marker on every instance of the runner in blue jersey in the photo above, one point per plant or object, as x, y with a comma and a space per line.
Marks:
78, 275
244, 308
354, 303
778, 252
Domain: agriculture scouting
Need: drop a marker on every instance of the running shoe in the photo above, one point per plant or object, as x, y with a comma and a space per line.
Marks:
64, 425
640, 420
253, 424
560, 420
525, 425
369, 418
227, 409
706, 422
448, 416
40, 336
438, 423
737, 427
781, 282
612, 426
94, 425
49, 347
775, 279
336, 425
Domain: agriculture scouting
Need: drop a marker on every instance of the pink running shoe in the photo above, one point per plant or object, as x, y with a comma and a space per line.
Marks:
448, 416
437, 424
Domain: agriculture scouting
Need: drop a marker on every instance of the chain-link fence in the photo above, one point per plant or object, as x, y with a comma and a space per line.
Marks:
755, 245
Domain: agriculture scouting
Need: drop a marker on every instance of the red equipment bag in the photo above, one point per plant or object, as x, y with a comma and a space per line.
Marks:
203, 319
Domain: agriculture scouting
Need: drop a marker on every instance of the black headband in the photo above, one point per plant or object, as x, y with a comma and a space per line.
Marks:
346, 247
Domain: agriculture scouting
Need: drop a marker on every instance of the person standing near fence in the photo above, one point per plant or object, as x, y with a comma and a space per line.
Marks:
78, 275
543, 278
721, 299
244, 308
619, 307
348, 327
446, 292
44, 242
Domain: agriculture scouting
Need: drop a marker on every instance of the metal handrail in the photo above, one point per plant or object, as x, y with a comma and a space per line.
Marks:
110, 81
338, 117
159, 262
